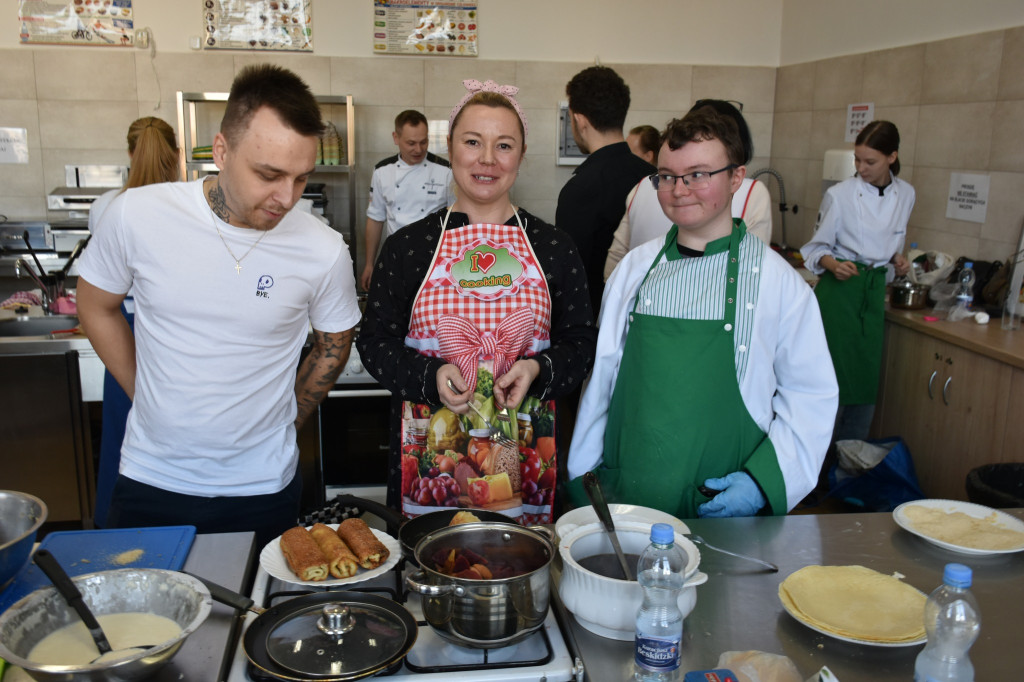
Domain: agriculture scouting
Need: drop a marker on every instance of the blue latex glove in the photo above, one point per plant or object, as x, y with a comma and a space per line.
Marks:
740, 496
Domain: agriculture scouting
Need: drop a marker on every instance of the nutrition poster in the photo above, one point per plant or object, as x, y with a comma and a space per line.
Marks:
77, 22
258, 25
425, 29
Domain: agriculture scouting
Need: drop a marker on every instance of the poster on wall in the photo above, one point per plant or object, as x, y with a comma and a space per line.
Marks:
444, 28
258, 25
77, 22
858, 116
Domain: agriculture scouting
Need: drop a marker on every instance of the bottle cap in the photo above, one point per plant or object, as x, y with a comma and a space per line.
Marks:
662, 534
957, 575
968, 265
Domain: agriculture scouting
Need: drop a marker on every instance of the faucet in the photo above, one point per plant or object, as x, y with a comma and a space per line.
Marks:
49, 293
783, 208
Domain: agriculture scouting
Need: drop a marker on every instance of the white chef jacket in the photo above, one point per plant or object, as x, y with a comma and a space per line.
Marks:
645, 220
401, 194
856, 224
783, 366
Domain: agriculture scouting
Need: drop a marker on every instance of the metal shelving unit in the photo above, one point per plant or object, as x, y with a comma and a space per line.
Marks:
199, 116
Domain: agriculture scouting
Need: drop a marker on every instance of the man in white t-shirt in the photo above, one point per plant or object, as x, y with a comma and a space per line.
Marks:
228, 280
405, 187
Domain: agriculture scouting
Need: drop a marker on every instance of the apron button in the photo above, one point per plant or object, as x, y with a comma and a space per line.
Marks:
730, 300
742, 349
728, 327
732, 280
755, 269
647, 302
732, 260
750, 306
630, 318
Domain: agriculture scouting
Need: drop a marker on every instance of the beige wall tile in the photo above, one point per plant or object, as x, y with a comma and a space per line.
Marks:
1008, 136
962, 69
22, 113
1004, 218
791, 137
85, 75
18, 77
838, 82
541, 140
753, 86
760, 132
954, 244
794, 87
23, 179
994, 250
162, 76
954, 135
374, 125
1011, 69
442, 81
85, 124
657, 86
23, 207
906, 120
542, 84
894, 77
393, 81
827, 131
932, 188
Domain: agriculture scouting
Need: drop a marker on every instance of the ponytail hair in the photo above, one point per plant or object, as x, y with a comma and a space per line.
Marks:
882, 136
154, 151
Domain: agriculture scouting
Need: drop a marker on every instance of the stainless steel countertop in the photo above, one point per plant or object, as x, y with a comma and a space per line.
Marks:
738, 609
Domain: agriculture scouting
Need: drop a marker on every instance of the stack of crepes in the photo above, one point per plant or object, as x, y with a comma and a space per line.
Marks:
855, 602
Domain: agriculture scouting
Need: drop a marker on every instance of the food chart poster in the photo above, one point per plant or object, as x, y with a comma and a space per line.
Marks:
77, 22
258, 25
446, 28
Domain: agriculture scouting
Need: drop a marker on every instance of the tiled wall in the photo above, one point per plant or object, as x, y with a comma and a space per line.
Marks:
959, 106
77, 105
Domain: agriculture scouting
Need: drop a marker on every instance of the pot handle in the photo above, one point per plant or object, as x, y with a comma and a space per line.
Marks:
392, 518
414, 584
225, 596
698, 578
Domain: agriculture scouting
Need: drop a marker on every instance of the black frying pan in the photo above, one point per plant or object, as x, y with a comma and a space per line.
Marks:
410, 532
257, 635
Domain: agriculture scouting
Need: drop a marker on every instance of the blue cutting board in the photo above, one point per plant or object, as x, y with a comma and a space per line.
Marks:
89, 551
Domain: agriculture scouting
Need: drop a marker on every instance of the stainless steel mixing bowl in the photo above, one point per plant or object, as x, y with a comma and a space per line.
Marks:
177, 596
21, 515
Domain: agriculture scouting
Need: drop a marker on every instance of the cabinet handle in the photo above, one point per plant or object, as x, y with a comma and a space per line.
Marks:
945, 387
930, 380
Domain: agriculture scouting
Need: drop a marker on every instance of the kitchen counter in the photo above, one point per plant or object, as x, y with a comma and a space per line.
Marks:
989, 339
738, 609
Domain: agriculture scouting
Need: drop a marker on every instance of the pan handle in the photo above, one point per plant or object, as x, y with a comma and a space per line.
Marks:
226, 596
413, 582
392, 518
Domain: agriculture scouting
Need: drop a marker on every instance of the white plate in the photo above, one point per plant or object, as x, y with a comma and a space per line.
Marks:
273, 562
620, 512
852, 640
977, 511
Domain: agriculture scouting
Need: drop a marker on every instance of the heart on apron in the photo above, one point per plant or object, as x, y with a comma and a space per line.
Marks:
486, 261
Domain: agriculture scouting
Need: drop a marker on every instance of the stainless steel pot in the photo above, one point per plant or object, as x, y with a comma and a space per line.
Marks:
485, 614
907, 295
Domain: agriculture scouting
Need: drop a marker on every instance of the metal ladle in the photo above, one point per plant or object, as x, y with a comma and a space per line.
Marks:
593, 488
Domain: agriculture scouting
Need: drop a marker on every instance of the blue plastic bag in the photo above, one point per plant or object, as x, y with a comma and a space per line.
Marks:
882, 488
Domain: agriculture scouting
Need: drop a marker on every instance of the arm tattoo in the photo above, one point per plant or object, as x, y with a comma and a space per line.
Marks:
320, 370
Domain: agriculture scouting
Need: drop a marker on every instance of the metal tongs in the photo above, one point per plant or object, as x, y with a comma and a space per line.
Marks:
496, 434
696, 539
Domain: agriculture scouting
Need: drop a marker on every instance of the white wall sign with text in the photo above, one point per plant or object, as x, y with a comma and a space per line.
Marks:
13, 145
858, 116
968, 197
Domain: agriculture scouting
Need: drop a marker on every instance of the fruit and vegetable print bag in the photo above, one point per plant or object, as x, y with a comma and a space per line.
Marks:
449, 460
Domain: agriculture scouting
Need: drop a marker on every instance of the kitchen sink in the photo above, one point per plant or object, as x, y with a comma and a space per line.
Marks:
37, 326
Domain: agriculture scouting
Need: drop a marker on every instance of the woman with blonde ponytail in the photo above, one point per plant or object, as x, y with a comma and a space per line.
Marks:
154, 157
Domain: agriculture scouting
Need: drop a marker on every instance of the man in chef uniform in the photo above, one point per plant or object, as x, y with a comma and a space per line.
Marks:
713, 391
227, 279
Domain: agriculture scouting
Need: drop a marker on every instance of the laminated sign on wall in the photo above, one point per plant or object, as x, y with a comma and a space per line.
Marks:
443, 28
77, 22
258, 25
968, 197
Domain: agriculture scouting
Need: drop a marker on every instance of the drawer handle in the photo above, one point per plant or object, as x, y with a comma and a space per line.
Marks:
945, 387
930, 380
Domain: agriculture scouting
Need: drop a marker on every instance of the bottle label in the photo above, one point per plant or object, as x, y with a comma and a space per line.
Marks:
657, 654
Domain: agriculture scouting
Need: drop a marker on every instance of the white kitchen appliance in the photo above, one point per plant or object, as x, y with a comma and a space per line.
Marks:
838, 166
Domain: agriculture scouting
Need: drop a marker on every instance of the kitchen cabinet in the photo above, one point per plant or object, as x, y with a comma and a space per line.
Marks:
955, 393
199, 116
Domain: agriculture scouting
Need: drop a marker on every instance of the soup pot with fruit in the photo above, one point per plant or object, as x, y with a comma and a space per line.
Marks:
606, 605
484, 585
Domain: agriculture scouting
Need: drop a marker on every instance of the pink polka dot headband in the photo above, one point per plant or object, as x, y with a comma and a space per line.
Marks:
475, 86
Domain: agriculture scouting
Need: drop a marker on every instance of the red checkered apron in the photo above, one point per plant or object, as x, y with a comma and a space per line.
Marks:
483, 305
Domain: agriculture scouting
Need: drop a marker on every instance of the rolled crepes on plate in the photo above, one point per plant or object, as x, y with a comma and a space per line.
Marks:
303, 554
370, 552
341, 562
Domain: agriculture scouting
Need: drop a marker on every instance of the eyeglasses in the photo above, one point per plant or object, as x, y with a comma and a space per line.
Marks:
664, 182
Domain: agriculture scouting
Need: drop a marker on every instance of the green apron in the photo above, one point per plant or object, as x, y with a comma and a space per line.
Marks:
676, 415
853, 313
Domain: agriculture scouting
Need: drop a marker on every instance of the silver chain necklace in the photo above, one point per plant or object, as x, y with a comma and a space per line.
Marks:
238, 261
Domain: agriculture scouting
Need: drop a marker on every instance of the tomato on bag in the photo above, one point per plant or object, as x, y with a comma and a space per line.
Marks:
529, 468
410, 472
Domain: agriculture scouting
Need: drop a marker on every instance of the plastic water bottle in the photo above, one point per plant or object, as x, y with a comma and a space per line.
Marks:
659, 622
964, 294
952, 620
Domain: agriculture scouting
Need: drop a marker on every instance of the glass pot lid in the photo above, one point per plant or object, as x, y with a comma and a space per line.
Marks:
338, 639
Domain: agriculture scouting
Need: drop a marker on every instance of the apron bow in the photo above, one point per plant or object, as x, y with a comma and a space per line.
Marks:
463, 344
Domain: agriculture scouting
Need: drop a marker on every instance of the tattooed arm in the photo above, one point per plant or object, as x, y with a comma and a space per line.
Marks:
319, 370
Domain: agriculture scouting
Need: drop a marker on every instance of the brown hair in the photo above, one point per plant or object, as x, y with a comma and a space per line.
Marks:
882, 136
493, 100
154, 151
706, 124
601, 95
409, 117
649, 139
268, 85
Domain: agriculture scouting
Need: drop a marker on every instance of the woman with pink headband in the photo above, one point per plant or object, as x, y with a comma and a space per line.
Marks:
482, 303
